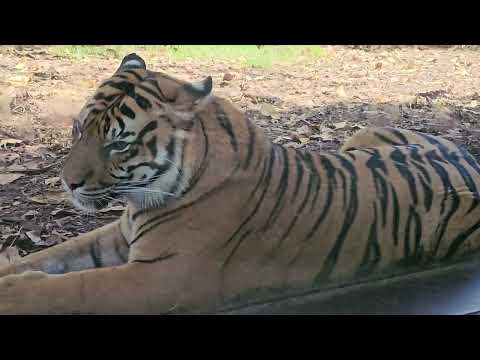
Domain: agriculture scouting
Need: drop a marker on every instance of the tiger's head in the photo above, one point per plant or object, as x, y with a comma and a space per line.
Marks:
128, 139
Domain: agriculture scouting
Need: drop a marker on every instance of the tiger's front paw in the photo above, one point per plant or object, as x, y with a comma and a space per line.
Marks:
26, 293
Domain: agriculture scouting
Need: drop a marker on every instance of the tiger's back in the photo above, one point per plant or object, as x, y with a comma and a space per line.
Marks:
321, 219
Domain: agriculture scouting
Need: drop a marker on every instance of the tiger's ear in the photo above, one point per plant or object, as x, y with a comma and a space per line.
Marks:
193, 95
132, 61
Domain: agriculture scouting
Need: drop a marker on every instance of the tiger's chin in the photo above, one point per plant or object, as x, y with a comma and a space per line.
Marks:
147, 201
90, 205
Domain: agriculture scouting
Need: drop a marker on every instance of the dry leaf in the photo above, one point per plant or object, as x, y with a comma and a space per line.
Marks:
9, 178
304, 130
31, 165
50, 197
293, 144
18, 79
52, 181
9, 142
30, 214
20, 66
116, 209
340, 125
228, 77
61, 213
341, 92
267, 109
34, 236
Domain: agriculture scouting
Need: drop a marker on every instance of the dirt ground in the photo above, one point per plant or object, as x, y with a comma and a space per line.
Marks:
312, 105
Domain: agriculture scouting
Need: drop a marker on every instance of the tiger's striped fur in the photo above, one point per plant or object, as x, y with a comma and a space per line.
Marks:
217, 211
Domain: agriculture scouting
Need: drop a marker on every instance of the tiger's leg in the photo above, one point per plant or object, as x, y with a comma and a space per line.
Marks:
133, 288
105, 246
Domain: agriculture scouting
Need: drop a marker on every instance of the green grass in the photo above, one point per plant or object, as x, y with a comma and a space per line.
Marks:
248, 55
79, 52
265, 56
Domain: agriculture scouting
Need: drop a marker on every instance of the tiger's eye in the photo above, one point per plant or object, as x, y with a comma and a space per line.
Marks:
117, 146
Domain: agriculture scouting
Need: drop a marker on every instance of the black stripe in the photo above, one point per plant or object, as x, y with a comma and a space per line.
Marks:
372, 254
386, 140
395, 215
376, 163
180, 174
150, 92
281, 189
130, 155
399, 135
251, 143
101, 96
418, 250
330, 171
152, 146
428, 194
226, 125
121, 76
469, 159
317, 180
298, 162
349, 153
142, 102
95, 254
161, 168
311, 181
344, 188
454, 159
460, 239
184, 206
266, 184
153, 225
176, 212
134, 73
118, 251
121, 123
126, 134
171, 148
127, 111
129, 177
203, 163
449, 190
106, 125
409, 256
349, 219
235, 248
160, 92
152, 125
400, 162
260, 179
124, 86
156, 259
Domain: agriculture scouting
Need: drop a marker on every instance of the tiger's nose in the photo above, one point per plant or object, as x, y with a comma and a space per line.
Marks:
73, 186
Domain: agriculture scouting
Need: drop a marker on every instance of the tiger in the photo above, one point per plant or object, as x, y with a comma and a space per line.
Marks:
218, 215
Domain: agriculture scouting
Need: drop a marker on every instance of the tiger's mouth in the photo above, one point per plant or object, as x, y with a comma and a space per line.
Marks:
93, 200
